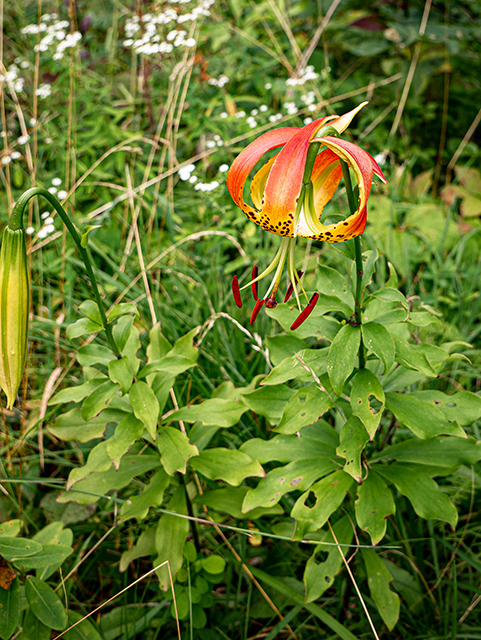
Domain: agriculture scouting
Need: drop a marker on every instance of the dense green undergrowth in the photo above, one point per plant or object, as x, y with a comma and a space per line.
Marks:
139, 144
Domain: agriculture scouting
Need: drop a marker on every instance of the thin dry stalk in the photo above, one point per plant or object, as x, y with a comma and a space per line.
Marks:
43, 410
304, 58
287, 28
464, 142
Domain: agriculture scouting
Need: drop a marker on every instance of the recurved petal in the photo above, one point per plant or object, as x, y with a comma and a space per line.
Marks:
248, 158
326, 175
284, 181
342, 123
258, 183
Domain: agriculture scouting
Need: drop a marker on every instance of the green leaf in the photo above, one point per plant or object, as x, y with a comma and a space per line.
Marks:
91, 310
145, 546
410, 357
92, 354
159, 346
33, 629
378, 340
97, 485
213, 564
51, 556
229, 500
305, 407
10, 528
171, 364
422, 491
424, 420
374, 504
439, 456
9, 609
126, 433
153, 494
342, 356
313, 609
317, 326
378, 579
268, 401
45, 604
295, 476
216, 412
184, 346
319, 440
145, 406
331, 283
175, 449
82, 327
121, 331
328, 494
230, 465
319, 576
78, 393
121, 310
84, 240
170, 538
366, 389
99, 400
298, 367
97, 461
352, 442
120, 372
71, 426
17, 548
83, 631
283, 346
463, 407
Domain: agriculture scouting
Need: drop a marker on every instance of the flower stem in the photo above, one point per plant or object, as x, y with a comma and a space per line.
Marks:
16, 222
359, 265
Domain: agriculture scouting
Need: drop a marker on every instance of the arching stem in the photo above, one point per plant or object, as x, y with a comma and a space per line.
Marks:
16, 222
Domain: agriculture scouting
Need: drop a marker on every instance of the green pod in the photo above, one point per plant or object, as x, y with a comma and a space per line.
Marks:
14, 311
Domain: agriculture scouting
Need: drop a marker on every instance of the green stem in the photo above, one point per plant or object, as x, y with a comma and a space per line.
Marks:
16, 222
359, 266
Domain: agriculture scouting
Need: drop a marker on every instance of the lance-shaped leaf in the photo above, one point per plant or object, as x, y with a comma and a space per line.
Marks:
342, 356
352, 442
412, 358
367, 400
422, 491
79, 392
378, 579
378, 340
71, 426
298, 366
230, 499
216, 412
45, 604
268, 401
374, 504
126, 433
171, 364
424, 420
331, 283
33, 629
305, 407
175, 449
99, 400
9, 609
145, 546
120, 372
84, 630
138, 506
97, 461
17, 548
327, 496
319, 576
170, 539
315, 326
295, 476
230, 465
463, 407
145, 406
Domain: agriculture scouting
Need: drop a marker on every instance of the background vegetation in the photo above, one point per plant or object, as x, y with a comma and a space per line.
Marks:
132, 115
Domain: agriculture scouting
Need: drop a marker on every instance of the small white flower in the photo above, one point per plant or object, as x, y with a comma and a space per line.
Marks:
254, 112
25, 64
56, 182
61, 195
29, 231
307, 120
263, 108
32, 122
380, 158
240, 114
210, 144
223, 168
193, 179
15, 155
42, 233
224, 114
48, 141
190, 42
268, 86
312, 107
49, 228
6, 159
52, 190
48, 221
44, 215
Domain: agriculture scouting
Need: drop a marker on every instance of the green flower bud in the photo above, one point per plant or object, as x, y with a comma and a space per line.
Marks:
14, 310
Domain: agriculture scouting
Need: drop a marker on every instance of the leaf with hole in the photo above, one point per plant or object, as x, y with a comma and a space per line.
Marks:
378, 579
305, 407
463, 407
424, 420
353, 439
367, 400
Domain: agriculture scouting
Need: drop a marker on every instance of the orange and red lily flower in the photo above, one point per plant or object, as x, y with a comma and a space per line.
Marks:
288, 205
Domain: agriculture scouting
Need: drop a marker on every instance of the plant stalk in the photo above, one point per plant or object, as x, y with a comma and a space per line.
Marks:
16, 222
359, 266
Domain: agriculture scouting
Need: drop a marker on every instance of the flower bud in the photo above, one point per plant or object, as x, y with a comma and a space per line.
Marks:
14, 310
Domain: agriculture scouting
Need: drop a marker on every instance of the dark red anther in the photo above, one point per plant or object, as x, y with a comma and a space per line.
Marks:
271, 303
256, 310
236, 292
255, 273
290, 288
305, 313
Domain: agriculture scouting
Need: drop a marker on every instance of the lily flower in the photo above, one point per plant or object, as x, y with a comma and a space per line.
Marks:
289, 203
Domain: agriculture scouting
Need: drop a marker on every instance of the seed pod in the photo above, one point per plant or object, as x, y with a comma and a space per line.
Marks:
14, 310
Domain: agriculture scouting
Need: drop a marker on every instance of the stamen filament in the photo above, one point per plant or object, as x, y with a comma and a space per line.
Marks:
285, 245
269, 269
